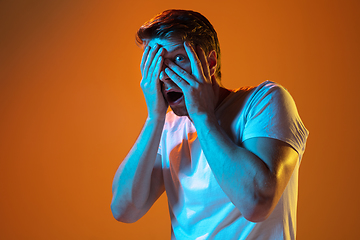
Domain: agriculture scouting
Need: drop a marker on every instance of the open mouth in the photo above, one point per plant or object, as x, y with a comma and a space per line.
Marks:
174, 97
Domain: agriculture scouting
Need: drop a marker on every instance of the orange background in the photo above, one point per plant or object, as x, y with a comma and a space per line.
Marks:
71, 107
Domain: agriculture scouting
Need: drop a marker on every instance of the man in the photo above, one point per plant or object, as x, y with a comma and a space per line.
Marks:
228, 160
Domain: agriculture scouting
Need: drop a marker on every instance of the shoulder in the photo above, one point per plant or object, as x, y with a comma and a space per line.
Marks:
253, 94
269, 87
271, 112
270, 92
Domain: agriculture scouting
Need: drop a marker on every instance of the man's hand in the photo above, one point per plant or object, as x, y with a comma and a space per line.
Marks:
151, 64
199, 87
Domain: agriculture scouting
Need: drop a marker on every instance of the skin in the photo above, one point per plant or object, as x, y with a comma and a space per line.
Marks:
253, 175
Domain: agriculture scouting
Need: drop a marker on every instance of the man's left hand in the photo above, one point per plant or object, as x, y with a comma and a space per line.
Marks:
199, 87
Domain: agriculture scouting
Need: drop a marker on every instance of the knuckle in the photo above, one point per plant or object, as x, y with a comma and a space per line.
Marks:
183, 72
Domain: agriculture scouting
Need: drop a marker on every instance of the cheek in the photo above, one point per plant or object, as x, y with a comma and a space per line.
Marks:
186, 67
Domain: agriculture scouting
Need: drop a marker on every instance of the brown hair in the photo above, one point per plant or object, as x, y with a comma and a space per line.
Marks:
185, 25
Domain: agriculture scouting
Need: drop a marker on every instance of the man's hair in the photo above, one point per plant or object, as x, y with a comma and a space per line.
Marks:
184, 25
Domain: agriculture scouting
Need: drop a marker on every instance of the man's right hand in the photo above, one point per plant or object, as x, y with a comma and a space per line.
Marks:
151, 66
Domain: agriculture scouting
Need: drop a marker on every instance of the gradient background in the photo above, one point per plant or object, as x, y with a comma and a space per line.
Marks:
71, 107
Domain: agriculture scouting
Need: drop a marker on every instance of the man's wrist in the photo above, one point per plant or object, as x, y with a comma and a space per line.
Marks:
156, 118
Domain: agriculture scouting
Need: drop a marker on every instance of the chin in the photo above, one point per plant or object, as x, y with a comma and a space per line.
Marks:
181, 112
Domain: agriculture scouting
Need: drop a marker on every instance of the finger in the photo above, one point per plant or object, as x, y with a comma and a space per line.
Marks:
180, 82
150, 59
161, 76
204, 62
196, 67
157, 69
154, 63
180, 72
144, 57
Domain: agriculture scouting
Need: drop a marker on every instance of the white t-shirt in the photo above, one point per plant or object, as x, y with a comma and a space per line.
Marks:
199, 209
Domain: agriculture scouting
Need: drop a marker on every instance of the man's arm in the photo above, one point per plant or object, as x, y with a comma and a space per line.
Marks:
138, 181
253, 176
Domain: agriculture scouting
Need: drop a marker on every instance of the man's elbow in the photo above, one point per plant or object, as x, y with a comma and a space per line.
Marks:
122, 215
256, 216
261, 203
260, 209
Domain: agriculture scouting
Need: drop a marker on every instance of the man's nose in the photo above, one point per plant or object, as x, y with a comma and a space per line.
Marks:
163, 76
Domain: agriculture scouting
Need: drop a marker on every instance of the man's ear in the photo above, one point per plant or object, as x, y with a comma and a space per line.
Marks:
212, 62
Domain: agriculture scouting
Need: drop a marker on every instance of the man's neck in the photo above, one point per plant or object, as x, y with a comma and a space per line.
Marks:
223, 93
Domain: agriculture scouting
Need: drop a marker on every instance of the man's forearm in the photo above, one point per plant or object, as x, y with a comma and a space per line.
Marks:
243, 176
136, 175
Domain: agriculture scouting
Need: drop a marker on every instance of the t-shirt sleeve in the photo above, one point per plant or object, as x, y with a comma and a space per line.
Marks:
271, 112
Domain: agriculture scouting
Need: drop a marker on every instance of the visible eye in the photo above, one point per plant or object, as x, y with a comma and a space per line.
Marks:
179, 58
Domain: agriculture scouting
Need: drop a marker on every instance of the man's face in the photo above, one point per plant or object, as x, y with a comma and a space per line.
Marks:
173, 50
